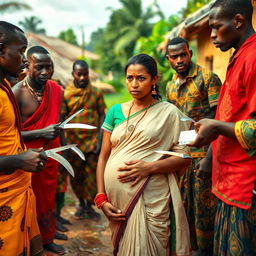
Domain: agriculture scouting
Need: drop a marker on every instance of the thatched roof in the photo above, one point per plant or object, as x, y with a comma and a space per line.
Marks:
194, 23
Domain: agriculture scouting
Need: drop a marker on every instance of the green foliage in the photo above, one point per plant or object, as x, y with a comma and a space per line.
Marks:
30, 24
117, 82
117, 98
68, 36
87, 60
116, 42
96, 38
150, 45
13, 6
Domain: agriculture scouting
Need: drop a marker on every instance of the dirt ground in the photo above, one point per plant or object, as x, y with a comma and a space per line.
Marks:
86, 237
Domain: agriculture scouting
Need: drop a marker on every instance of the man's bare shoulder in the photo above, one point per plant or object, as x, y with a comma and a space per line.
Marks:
17, 90
18, 86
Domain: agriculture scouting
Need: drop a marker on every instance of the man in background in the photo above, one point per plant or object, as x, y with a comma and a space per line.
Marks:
80, 93
195, 91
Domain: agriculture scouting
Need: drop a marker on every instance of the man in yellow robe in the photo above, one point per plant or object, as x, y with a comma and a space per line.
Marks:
19, 233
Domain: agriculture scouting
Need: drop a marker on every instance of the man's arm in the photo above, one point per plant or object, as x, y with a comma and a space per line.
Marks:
213, 90
49, 133
208, 130
245, 132
31, 160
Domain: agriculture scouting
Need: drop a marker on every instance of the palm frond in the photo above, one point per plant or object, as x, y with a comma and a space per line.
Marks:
9, 6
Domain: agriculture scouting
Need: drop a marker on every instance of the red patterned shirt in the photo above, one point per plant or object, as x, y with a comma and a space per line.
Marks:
234, 170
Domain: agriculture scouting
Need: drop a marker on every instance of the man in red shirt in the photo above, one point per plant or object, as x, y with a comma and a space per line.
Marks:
233, 132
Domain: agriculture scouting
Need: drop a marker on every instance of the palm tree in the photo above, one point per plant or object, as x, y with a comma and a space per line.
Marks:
127, 25
9, 6
30, 24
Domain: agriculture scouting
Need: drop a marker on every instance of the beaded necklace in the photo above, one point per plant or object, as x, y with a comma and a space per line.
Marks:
36, 94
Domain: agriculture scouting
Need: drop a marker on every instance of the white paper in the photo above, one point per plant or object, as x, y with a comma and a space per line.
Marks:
187, 137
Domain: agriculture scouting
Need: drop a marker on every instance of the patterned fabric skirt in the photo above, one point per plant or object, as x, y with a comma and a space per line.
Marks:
84, 182
235, 230
200, 205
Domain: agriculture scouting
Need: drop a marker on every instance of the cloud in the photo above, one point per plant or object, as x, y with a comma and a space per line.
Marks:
89, 14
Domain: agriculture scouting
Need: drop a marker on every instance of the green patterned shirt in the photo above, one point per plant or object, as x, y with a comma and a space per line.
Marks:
197, 97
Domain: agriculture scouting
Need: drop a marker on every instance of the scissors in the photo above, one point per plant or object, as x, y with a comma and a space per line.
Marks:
65, 125
174, 154
52, 153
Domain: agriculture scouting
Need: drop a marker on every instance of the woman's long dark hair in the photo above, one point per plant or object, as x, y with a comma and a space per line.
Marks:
150, 64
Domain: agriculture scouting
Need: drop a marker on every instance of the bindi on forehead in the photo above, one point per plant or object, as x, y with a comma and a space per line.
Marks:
136, 68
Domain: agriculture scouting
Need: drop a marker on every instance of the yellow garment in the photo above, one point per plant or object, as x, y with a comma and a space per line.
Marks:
147, 230
9, 135
19, 233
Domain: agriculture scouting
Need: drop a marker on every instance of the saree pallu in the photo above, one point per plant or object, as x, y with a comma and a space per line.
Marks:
19, 232
235, 230
146, 231
45, 183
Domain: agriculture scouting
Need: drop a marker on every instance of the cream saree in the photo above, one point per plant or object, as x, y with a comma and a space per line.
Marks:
146, 205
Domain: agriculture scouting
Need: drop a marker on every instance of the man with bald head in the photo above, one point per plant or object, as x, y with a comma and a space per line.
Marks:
40, 100
19, 233
233, 133
80, 93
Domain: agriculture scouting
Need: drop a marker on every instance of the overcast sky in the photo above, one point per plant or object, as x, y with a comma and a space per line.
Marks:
59, 15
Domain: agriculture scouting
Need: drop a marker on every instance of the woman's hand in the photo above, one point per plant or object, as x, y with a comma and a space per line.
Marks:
112, 213
135, 171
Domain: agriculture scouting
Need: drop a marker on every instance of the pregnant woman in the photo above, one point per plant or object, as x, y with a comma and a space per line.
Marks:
136, 185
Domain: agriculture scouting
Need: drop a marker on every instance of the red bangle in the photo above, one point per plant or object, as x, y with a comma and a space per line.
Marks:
100, 199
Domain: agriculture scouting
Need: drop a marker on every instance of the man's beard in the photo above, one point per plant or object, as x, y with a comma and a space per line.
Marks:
82, 85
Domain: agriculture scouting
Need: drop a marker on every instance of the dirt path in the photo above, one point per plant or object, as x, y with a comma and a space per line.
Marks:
86, 237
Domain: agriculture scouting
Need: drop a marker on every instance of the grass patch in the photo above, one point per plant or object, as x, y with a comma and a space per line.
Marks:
116, 98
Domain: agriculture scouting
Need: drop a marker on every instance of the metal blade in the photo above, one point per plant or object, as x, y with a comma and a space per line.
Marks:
173, 154
62, 161
79, 152
71, 117
78, 125
58, 149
